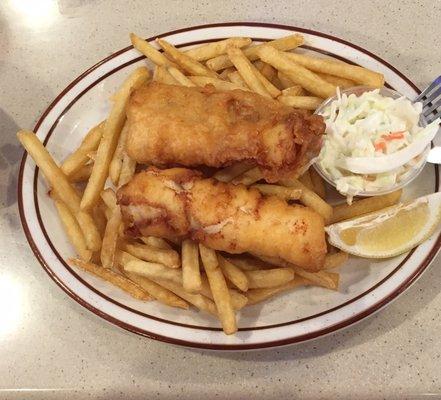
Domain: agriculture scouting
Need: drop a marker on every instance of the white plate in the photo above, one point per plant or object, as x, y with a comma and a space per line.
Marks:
366, 286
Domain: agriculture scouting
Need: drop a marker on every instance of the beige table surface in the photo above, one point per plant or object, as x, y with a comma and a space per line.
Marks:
51, 347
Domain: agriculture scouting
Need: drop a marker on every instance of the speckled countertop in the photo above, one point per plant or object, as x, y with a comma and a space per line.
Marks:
50, 347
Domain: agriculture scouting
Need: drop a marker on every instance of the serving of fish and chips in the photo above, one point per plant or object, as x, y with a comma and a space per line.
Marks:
200, 188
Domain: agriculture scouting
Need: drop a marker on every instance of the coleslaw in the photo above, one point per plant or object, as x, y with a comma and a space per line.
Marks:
373, 142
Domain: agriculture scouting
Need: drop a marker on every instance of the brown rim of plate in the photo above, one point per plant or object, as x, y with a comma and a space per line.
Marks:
423, 265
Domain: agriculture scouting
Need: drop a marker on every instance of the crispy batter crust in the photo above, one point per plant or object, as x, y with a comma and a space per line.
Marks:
178, 203
171, 125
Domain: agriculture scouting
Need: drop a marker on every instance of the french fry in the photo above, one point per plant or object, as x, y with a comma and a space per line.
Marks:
73, 230
248, 177
301, 102
269, 277
297, 73
160, 293
238, 300
286, 81
219, 84
229, 173
224, 74
311, 199
61, 186
99, 217
156, 242
266, 70
169, 258
196, 299
247, 71
237, 79
112, 277
162, 75
233, 273
110, 239
184, 61
305, 178
338, 81
219, 288
364, 206
82, 174
128, 169
284, 43
279, 191
79, 157
118, 155
214, 49
180, 77
246, 264
153, 271
191, 274
326, 279
91, 155
112, 130
109, 198
258, 295
329, 66
295, 90
318, 183
335, 260
150, 52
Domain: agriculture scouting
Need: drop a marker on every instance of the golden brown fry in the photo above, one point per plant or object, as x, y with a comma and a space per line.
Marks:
229, 173
329, 280
301, 102
184, 61
156, 242
99, 217
247, 71
224, 74
112, 130
318, 183
335, 260
61, 187
295, 90
169, 258
269, 277
219, 84
238, 300
128, 169
279, 191
110, 239
180, 77
219, 289
197, 300
162, 75
286, 81
297, 73
236, 78
79, 157
73, 230
153, 271
150, 52
214, 49
284, 43
160, 293
364, 206
311, 199
248, 177
258, 295
118, 155
109, 198
233, 273
191, 274
338, 81
329, 66
266, 70
82, 174
112, 277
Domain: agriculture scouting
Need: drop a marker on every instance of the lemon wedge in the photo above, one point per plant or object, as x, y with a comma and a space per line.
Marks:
389, 232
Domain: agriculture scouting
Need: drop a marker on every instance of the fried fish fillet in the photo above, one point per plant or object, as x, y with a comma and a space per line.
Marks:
179, 203
176, 125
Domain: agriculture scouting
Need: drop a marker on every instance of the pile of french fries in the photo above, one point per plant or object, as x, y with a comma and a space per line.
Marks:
182, 274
